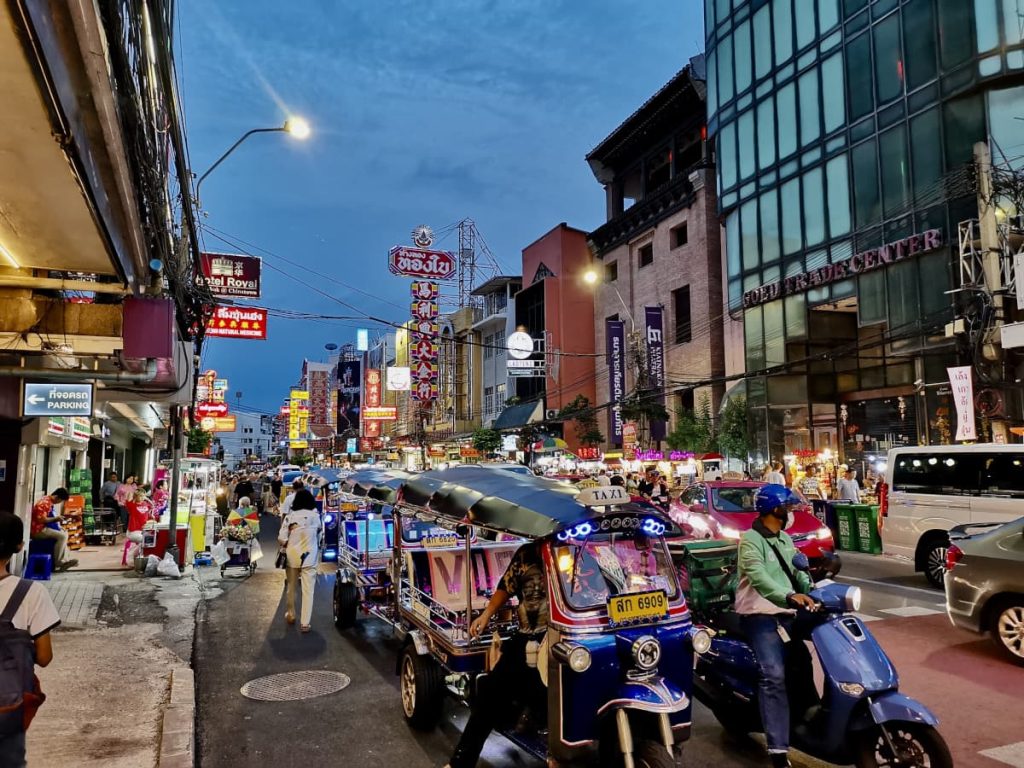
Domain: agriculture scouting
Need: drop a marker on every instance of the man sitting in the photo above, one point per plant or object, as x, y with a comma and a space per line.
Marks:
43, 517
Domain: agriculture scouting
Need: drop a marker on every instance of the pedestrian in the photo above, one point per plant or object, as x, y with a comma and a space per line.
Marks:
810, 485
125, 491
276, 485
108, 493
243, 487
603, 479
299, 537
849, 488
632, 486
29, 609
140, 512
286, 507
646, 486
46, 525
161, 498
774, 474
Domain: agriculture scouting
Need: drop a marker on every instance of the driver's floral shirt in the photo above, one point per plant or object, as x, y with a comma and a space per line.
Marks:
525, 579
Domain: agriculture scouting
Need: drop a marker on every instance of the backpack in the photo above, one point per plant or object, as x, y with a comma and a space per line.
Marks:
20, 696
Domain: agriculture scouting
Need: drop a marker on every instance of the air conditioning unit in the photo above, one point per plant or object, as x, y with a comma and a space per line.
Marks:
550, 413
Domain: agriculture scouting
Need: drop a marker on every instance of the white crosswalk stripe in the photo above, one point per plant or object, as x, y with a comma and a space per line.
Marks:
907, 611
1011, 754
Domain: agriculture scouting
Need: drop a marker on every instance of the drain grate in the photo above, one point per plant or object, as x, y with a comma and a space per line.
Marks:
294, 686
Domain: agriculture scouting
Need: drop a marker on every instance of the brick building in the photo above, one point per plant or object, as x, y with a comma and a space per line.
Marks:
660, 247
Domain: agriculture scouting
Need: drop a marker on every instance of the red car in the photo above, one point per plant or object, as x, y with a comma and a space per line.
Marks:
724, 509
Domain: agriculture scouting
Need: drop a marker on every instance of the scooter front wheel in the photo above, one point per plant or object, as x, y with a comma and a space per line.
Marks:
909, 745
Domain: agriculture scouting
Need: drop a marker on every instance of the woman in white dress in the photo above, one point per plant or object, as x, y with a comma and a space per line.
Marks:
300, 539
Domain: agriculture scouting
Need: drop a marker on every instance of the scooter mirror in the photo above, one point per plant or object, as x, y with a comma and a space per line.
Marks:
800, 562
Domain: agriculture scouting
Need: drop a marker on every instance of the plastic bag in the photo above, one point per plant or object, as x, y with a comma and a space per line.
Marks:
255, 551
220, 552
168, 567
151, 565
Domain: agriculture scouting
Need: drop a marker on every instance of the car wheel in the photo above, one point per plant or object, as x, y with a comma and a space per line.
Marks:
935, 562
1007, 629
422, 687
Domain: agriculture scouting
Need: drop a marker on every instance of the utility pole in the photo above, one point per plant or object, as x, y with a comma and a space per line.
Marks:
172, 524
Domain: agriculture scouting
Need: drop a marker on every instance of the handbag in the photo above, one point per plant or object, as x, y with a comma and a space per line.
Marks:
282, 559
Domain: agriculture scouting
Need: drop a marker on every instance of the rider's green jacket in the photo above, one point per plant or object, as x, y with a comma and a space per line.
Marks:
764, 585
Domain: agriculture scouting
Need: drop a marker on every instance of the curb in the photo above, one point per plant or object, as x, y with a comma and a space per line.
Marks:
177, 741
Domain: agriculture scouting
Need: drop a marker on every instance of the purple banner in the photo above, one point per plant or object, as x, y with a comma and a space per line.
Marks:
615, 333
653, 329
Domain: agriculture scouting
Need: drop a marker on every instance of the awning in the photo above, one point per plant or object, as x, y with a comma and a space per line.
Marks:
516, 416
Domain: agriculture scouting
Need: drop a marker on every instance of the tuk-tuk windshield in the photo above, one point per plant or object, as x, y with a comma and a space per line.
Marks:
608, 564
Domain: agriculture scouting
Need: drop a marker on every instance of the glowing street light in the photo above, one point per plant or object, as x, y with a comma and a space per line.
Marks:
590, 277
294, 126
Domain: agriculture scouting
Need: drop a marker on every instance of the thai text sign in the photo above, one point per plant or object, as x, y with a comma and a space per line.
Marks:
963, 398
655, 364
421, 262
230, 274
857, 264
616, 343
238, 323
57, 400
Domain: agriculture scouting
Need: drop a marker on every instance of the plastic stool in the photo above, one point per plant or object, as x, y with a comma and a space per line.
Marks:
41, 546
39, 567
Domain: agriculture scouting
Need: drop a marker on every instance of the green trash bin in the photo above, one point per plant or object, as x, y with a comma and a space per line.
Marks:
869, 540
847, 519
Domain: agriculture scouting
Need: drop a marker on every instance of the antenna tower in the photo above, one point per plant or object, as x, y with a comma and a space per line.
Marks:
467, 262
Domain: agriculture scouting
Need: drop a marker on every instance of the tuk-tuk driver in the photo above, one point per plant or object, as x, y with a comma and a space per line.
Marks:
515, 678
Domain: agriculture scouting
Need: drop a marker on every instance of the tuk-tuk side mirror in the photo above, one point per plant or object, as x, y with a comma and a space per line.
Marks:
463, 531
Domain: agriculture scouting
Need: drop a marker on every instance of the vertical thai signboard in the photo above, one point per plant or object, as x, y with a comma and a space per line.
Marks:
372, 386
615, 334
350, 388
963, 398
655, 364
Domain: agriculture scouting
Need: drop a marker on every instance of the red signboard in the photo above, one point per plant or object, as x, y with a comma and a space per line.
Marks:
371, 429
372, 390
381, 413
216, 410
424, 350
238, 323
421, 262
588, 454
425, 291
230, 274
423, 370
425, 310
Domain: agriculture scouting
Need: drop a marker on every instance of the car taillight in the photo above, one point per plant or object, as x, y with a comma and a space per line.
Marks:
953, 556
883, 502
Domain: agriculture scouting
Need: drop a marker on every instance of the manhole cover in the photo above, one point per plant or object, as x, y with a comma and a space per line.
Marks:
293, 686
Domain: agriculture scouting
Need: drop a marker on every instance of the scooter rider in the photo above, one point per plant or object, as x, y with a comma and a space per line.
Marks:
770, 593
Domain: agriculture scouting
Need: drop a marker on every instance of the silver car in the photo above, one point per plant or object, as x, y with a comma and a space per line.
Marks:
985, 583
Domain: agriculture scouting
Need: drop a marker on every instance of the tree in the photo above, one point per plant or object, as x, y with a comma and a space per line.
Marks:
733, 435
642, 407
198, 439
487, 440
583, 413
694, 429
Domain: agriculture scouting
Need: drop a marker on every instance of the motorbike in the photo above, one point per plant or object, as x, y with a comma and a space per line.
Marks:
859, 717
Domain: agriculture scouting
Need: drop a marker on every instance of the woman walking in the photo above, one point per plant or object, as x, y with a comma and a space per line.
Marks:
300, 539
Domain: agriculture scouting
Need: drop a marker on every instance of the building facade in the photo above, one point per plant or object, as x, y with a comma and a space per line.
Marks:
251, 440
845, 134
659, 250
492, 331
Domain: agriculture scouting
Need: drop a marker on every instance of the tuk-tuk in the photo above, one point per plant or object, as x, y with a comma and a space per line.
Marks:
619, 648
365, 544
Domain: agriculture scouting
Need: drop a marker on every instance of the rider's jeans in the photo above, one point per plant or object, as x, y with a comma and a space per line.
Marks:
762, 630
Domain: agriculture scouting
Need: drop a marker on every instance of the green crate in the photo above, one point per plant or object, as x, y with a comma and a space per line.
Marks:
869, 540
707, 574
847, 519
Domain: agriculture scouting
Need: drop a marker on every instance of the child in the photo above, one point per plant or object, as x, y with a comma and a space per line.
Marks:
35, 615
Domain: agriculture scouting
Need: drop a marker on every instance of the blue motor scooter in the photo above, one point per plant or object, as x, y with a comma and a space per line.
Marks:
860, 718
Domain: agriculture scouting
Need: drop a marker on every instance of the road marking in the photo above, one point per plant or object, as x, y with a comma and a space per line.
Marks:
932, 593
866, 617
910, 610
1011, 754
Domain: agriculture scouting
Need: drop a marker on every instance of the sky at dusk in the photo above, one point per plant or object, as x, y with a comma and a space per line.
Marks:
423, 112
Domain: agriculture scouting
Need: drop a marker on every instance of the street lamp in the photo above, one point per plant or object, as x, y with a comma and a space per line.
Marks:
590, 277
293, 126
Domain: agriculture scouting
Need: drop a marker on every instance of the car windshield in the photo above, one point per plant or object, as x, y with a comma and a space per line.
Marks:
739, 499
608, 564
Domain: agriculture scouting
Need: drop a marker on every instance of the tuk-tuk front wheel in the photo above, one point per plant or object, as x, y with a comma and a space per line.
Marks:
648, 751
422, 685
346, 604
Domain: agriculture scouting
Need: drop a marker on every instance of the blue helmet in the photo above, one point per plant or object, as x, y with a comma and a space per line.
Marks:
773, 496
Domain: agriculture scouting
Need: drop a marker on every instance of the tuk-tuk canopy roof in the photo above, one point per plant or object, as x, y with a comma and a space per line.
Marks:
377, 484
521, 505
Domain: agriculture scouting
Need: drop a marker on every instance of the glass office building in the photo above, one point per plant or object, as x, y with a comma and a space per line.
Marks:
844, 134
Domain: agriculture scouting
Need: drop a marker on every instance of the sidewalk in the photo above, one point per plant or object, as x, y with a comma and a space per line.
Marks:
120, 691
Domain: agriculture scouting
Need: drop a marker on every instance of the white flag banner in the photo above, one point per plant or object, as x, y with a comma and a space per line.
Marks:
963, 399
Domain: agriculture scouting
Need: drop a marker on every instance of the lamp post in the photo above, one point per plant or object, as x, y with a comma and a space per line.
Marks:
637, 342
294, 126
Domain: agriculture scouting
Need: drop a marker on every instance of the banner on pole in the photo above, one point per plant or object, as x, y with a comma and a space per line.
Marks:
961, 382
615, 333
653, 328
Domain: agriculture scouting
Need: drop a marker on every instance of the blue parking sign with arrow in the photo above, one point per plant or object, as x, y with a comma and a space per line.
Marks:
57, 399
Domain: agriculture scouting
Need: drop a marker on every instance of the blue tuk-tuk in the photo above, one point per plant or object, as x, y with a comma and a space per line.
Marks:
619, 649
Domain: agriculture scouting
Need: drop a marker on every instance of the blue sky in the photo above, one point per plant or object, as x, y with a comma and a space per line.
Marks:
422, 112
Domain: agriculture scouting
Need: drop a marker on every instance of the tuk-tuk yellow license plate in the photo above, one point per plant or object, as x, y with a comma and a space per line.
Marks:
638, 606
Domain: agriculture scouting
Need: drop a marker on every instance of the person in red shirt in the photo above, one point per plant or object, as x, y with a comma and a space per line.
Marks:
43, 517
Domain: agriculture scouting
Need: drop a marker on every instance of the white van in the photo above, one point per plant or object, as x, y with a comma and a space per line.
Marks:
930, 489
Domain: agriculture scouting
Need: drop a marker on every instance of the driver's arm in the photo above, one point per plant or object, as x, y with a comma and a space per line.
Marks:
498, 599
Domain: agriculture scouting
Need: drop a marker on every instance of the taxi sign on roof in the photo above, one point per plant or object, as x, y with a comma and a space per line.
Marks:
603, 496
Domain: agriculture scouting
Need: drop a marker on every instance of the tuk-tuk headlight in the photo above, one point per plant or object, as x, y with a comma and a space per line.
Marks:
579, 659
701, 640
646, 653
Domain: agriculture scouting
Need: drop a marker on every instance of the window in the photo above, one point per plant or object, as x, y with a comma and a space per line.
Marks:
499, 397
814, 207
645, 254
867, 205
747, 145
1002, 474
828, 14
837, 180
659, 170
858, 76
727, 155
488, 400
681, 307
611, 271
766, 132
1005, 125
762, 42
678, 235
810, 128
944, 474
783, 11
792, 239
832, 102
964, 121
786, 102
919, 42
888, 59
804, 25
769, 227
955, 32
488, 346
742, 47
748, 225
725, 92
895, 169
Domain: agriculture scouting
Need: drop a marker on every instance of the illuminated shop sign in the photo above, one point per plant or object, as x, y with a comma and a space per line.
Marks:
858, 264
